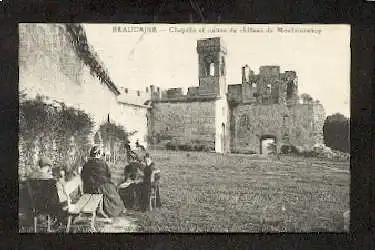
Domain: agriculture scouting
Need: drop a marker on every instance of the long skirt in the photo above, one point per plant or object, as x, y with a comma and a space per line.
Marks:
112, 203
146, 195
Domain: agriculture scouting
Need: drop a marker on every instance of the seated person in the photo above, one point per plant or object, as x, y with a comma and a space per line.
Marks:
45, 169
96, 179
132, 171
45, 172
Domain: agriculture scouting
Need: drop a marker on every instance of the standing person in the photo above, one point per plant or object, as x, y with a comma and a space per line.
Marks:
148, 183
96, 179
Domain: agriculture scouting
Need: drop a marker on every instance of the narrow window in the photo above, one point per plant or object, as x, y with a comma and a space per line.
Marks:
138, 93
126, 90
222, 65
269, 89
212, 69
146, 89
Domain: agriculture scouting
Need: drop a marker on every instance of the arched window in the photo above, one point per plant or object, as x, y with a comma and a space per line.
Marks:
212, 69
269, 89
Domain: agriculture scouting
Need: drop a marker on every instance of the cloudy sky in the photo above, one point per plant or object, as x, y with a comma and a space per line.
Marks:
168, 58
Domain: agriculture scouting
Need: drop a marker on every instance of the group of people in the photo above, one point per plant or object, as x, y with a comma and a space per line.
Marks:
96, 179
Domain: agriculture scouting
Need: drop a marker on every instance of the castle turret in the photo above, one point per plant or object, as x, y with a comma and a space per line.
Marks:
212, 70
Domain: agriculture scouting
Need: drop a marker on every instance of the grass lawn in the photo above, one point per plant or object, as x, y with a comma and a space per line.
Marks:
241, 193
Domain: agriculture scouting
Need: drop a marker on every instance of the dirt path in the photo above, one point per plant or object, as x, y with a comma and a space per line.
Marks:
126, 224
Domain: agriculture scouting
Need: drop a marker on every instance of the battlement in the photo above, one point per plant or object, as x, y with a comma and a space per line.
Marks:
139, 97
273, 70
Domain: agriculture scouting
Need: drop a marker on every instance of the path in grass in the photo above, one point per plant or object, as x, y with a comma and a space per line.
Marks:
211, 192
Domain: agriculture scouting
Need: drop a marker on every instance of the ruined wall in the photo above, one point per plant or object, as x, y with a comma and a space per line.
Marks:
222, 121
182, 122
295, 125
319, 116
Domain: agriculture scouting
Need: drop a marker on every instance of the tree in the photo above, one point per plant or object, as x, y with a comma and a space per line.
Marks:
336, 131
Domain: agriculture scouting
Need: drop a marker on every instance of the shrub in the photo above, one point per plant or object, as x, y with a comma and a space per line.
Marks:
114, 138
59, 132
170, 146
288, 149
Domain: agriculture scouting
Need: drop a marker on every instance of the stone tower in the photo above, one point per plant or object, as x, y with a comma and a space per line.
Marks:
212, 70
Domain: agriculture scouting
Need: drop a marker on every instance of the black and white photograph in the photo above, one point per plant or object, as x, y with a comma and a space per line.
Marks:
184, 128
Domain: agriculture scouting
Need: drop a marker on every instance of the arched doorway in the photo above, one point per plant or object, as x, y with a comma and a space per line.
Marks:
267, 144
223, 135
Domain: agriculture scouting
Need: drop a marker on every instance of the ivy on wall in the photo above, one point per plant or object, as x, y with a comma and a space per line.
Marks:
56, 131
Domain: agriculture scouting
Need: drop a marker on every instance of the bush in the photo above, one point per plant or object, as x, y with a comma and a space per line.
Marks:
288, 149
170, 146
114, 138
190, 146
58, 132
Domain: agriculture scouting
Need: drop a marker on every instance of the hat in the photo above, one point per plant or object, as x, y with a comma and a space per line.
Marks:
44, 161
95, 151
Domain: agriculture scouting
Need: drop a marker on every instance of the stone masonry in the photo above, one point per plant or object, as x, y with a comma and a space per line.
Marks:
236, 117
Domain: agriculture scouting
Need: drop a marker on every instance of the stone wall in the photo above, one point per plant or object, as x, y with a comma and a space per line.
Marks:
182, 122
222, 121
297, 125
49, 66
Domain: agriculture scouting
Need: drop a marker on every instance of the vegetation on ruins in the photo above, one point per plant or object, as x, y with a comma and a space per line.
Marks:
56, 131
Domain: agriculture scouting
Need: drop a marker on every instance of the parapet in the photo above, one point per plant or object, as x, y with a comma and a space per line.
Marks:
133, 97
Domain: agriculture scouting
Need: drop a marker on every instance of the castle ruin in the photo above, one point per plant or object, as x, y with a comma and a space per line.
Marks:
237, 117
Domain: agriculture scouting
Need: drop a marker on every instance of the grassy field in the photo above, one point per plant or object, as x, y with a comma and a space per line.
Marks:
240, 193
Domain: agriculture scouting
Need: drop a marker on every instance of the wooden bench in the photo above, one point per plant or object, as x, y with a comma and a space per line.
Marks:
87, 204
59, 193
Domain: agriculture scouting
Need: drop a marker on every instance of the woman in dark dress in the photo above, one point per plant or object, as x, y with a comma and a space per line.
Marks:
150, 170
96, 179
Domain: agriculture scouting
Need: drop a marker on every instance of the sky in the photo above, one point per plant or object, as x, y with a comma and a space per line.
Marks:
168, 57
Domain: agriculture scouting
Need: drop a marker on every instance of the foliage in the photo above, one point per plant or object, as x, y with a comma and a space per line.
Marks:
288, 149
272, 147
59, 132
198, 146
336, 131
114, 138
